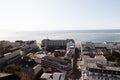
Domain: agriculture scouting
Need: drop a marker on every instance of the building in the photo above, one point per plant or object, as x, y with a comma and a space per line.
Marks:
11, 55
38, 71
51, 45
97, 68
103, 45
71, 47
8, 76
30, 46
98, 58
53, 62
53, 76
96, 45
4, 46
96, 71
27, 73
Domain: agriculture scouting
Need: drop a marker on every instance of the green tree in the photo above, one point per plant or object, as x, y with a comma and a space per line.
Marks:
26, 58
12, 69
113, 56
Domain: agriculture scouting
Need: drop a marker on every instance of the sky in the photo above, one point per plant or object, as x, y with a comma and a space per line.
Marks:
37, 15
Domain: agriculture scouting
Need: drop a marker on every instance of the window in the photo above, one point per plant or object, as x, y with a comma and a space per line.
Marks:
98, 77
93, 76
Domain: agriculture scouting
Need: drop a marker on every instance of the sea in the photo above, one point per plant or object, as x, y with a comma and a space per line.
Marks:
77, 35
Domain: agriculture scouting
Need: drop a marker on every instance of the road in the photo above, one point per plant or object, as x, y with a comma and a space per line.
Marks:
76, 73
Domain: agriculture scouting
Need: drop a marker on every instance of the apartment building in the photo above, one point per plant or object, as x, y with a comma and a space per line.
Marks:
8, 76
97, 68
71, 47
48, 44
11, 55
96, 71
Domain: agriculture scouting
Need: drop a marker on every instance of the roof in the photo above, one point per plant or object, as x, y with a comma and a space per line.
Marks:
27, 69
46, 75
62, 61
97, 57
54, 76
37, 68
59, 76
94, 65
5, 74
11, 50
40, 55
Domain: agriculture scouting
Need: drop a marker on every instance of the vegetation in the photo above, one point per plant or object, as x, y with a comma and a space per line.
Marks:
59, 54
12, 68
48, 70
27, 61
26, 58
113, 56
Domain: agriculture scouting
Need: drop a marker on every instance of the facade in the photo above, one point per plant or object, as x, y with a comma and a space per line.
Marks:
11, 55
4, 46
8, 76
30, 46
38, 71
53, 76
97, 59
99, 72
27, 46
53, 62
103, 45
48, 44
71, 47
27, 73
98, 69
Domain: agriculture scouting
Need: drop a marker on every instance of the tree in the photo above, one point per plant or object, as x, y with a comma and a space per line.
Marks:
113, 56
12, 69
26, 58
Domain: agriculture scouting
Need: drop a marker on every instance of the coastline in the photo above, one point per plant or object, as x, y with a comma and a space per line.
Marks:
77, 35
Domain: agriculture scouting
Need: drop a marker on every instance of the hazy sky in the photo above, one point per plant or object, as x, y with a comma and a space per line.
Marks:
59, 14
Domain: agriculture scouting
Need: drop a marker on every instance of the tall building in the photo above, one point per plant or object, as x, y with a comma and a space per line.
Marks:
49, 45
27, 73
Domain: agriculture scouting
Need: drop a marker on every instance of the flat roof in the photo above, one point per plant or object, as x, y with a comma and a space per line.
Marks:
4, 74
54, 76
94, 65
46, 75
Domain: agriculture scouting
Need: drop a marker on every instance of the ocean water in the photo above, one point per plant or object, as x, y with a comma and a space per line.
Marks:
77, 35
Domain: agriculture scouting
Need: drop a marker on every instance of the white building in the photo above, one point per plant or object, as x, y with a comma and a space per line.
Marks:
53, 76
97, 69
71, 47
